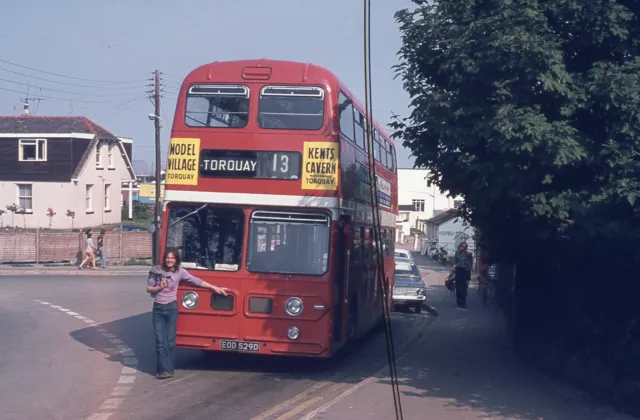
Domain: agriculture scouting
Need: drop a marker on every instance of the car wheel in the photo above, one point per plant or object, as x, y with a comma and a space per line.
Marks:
418, 308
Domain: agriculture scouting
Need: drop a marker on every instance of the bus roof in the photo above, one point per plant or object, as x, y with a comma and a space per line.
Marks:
273, 71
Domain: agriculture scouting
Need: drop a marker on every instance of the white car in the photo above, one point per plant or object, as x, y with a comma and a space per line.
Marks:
408, 288
403, 253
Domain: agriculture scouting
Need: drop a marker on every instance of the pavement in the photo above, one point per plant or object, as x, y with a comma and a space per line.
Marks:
72, 270
464, 369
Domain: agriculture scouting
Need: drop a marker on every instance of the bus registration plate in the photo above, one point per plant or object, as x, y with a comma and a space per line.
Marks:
239, 345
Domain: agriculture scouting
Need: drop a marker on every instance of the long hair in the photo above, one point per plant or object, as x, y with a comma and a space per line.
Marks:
176, 254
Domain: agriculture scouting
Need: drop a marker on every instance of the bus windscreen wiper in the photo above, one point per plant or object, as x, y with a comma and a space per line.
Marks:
188, 214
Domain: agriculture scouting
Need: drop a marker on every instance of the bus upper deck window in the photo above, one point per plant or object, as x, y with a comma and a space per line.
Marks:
219, 106
291, 107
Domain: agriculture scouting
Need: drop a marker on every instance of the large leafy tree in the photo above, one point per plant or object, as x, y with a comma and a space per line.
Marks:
530, 110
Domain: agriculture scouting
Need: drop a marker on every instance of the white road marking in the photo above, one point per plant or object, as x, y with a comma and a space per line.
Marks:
99, 416
126, 379
111, 404
128, 360
126, 370
376, 376
120, 390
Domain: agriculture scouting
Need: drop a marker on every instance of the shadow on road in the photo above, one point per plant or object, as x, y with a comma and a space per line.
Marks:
136, 333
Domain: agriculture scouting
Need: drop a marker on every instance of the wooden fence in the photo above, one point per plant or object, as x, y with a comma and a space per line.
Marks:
43, 246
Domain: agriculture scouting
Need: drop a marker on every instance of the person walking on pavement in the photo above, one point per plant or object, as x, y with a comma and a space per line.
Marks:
90, 256
462, 263
162, 285
103, 258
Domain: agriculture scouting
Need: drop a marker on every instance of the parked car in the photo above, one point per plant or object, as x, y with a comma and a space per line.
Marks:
408, 289
403, 253
127, 228
404, 260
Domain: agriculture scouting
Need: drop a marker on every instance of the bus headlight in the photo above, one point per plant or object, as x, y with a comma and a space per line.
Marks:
293, 333
421, 291
190, 300
294, 306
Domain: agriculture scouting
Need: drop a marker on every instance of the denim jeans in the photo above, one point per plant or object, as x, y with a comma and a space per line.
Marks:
103, 257
165, 318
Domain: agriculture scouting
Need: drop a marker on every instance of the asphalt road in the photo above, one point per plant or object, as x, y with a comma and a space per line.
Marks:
81, 347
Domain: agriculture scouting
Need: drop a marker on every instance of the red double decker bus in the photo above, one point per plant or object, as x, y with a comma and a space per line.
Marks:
268, 193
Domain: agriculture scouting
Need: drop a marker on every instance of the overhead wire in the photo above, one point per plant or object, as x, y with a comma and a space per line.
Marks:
373, 189
65, 91
72, 77
96, 87
53, 98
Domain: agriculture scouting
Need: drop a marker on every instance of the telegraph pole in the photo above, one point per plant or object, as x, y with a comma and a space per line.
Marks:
158, 209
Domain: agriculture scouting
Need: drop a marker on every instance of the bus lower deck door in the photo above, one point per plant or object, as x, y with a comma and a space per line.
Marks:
345, 232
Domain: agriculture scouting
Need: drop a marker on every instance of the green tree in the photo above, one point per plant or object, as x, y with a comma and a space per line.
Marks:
530, 109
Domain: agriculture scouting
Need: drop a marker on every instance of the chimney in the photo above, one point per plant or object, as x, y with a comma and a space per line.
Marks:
25, 110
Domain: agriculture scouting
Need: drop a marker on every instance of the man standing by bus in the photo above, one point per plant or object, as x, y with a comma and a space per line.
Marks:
462, 263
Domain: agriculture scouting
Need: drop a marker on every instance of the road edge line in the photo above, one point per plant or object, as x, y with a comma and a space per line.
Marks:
376, 376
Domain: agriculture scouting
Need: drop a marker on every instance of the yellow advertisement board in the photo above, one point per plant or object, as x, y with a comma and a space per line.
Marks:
149, 191
183, 161
320, 166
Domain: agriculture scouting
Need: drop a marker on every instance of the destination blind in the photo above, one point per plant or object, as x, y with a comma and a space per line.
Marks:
249, 164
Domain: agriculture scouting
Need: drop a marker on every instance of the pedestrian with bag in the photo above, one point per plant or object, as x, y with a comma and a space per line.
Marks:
462, 263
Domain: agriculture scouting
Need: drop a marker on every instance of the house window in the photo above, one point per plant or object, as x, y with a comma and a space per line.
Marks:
418, 205
25, 197
98, 154
33, 150
107, 195
88, 205
110, 155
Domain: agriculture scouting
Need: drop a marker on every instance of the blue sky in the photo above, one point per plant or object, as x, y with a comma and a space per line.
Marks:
126, 40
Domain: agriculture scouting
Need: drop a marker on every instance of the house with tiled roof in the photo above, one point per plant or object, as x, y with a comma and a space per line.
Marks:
60, 164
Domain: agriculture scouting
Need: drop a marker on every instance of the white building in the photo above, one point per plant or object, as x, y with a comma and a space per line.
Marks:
418, 200
61, 173
447, 229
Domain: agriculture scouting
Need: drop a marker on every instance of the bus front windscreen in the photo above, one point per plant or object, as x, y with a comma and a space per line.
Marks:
207, 237
288, 243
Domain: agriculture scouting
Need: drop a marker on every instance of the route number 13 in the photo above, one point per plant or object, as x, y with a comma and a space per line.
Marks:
283, 161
